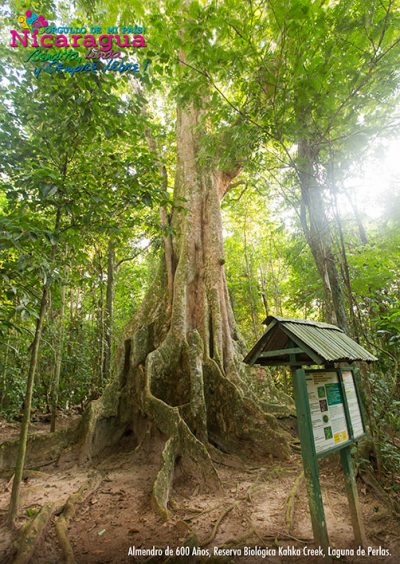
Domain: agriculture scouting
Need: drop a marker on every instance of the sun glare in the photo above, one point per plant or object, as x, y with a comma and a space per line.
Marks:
373, 184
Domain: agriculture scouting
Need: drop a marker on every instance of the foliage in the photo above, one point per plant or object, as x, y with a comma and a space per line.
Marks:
274, 74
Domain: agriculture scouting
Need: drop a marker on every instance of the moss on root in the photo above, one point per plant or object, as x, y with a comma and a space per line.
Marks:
31, 534
163, 481
103, 409
236, 421
181, 440
188, 399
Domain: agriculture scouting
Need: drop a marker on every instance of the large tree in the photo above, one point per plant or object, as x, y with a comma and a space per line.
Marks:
181, 368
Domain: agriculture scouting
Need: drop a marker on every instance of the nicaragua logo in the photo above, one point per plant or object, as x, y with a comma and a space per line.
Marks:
69, 50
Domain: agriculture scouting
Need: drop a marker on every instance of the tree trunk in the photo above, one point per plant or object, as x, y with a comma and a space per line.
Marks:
180, 370
99, 374
34, 348
263, 284
353, 305
108, 315
251, 283
361, 229
58, 360
3, 391
317, 231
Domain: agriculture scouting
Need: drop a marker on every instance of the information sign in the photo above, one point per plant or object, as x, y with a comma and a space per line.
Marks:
329, 420
328, 415
352, 402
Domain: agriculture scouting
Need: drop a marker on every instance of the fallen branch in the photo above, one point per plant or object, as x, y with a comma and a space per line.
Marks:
9, 484
279, 535
162, 484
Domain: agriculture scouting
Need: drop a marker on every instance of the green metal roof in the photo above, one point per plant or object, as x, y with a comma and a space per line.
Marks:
307, 342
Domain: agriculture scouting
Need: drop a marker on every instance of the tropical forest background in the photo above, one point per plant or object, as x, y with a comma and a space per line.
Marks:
87, 167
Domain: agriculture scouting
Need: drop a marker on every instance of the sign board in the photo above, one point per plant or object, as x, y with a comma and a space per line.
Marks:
334, 408
353, 403
328, 415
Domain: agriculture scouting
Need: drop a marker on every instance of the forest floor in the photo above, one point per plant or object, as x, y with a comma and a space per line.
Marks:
117, 518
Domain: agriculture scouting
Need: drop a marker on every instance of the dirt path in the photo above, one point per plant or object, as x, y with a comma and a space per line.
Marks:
117, 519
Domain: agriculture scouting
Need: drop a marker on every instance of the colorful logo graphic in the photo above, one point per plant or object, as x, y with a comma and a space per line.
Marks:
67, 49
31, 20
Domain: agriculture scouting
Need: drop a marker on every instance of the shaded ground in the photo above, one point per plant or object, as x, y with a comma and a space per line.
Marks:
249, 511
40, 425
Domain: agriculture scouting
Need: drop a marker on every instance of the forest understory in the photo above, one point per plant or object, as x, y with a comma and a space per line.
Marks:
262, 503
150, 226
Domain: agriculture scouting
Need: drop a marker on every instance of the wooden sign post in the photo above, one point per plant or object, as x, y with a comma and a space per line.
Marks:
328, 404
329, 420
310, 463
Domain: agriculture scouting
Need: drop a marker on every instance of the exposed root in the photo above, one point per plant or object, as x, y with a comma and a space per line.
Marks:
103, 409
264, 538
280, 535
213, 533
68, 512
231, 460
142, 393
163, 481
61, 530
181, 441
198, 512
31, 534
145, 436
193, 351
235, 421
291, 500
171, 387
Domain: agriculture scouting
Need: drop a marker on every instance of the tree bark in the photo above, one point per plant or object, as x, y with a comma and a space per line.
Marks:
58, 360
108, 315
251, 282
263, 284
180, 370
5, 370
99, 369
353, 305
317, 231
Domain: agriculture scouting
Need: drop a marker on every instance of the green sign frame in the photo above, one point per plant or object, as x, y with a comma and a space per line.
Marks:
352, 439
310, 457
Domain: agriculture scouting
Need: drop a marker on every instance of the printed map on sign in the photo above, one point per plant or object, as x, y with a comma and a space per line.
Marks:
327, 410
352, 401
